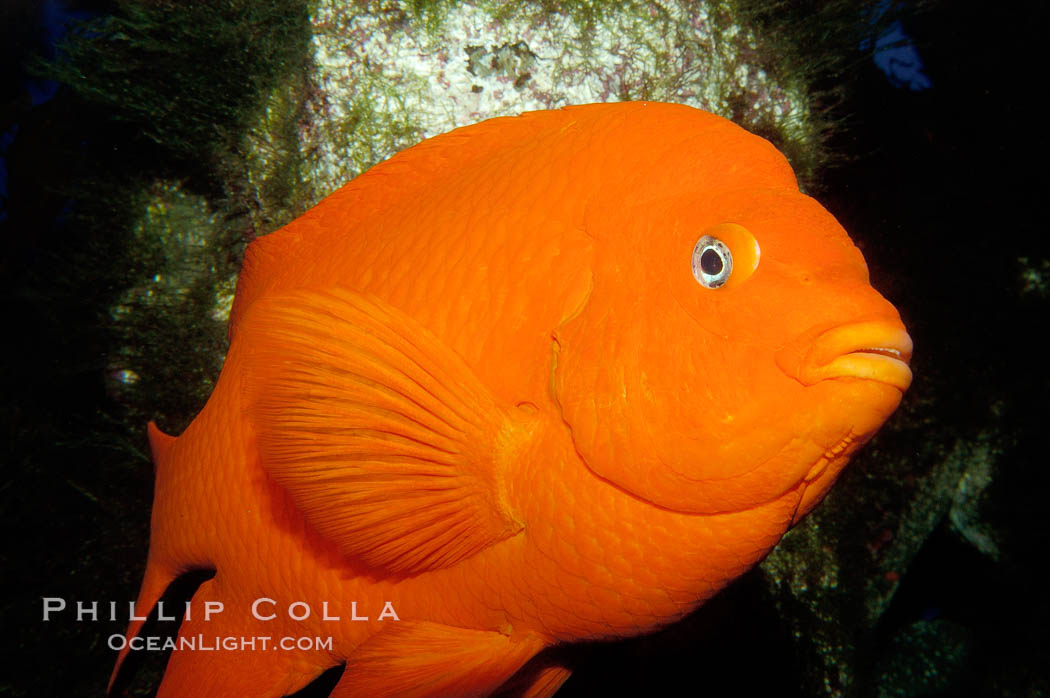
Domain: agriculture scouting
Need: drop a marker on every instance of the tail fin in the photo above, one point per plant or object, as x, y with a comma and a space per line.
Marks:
159, 572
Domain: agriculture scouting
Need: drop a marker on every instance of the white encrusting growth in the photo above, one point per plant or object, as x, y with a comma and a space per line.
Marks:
387, 80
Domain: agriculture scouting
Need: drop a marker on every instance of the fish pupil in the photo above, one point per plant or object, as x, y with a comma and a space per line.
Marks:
711, 262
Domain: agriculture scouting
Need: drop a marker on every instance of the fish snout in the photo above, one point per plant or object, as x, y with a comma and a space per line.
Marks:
877, 350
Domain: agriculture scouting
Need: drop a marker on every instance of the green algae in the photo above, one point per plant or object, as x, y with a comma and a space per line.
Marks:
180, 301
167, 228
187, 76
211, 95
151, 155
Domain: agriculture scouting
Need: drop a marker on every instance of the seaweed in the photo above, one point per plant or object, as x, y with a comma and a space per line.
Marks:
120, 184
188, 77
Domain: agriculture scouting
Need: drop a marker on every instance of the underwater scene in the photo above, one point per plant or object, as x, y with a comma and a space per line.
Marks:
463, 347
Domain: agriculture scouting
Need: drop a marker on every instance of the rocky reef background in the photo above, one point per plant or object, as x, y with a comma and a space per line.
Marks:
144, 147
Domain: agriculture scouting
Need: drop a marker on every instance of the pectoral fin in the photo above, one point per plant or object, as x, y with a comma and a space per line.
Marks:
383, 436
429, 659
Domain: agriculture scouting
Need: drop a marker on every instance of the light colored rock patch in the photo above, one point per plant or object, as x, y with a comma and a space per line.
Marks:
386, 79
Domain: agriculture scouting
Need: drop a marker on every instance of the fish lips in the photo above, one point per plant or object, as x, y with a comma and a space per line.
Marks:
876, 350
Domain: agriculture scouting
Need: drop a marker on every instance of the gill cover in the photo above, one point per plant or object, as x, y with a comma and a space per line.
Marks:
668, 383
641, 384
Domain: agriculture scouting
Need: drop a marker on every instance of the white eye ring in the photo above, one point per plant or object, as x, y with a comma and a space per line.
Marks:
712, 262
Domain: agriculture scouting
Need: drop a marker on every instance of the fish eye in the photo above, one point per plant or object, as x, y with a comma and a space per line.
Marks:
712, 262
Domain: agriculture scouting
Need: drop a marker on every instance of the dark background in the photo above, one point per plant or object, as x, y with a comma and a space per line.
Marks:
944, 189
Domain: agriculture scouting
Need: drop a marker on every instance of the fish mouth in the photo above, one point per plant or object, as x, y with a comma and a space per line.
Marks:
875, 350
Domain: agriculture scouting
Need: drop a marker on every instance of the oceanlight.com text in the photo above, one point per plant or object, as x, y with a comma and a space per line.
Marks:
230, 643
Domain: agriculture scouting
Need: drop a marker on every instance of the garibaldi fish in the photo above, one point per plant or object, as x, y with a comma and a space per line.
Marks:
546, 378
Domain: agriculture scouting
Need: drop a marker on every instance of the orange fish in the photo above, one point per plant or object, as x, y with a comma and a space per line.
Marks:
547, 378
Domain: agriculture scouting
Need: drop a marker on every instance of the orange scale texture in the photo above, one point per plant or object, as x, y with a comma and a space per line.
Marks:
481, 385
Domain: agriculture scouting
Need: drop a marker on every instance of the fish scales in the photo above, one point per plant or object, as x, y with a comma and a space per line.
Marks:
543, 379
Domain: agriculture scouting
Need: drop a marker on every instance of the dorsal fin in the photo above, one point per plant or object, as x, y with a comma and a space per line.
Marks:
160, 445
159, 572
384, 438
